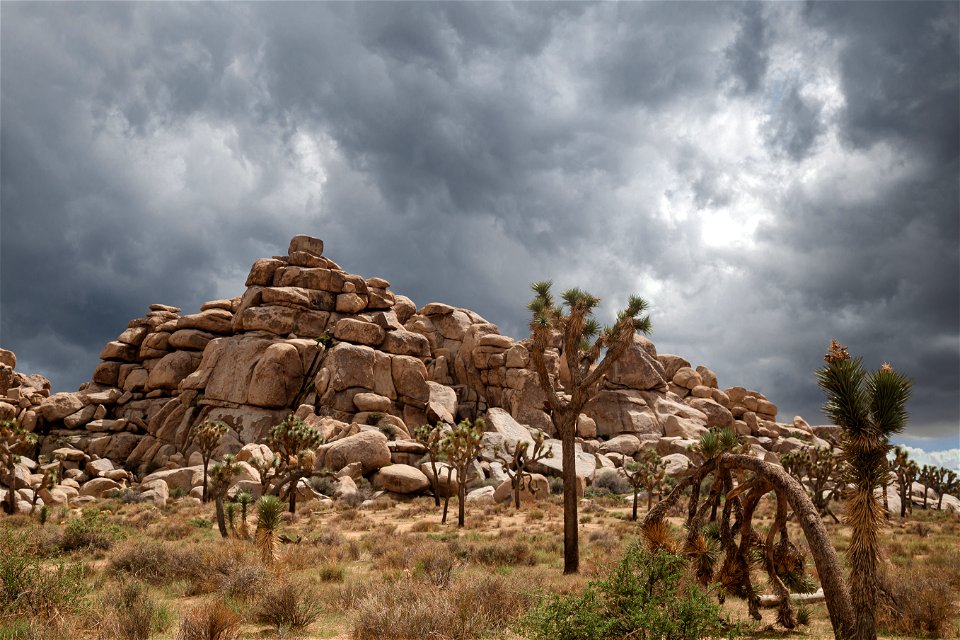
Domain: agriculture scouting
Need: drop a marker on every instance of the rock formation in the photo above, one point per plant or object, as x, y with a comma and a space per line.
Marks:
366, 367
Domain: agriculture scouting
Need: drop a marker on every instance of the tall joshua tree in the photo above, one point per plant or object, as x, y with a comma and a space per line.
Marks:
583, 342
869, 408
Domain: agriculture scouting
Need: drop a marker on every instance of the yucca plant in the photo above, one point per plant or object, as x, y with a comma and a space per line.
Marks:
583, 342
221, 475
269, 512
869, 408
244, 499
11, 438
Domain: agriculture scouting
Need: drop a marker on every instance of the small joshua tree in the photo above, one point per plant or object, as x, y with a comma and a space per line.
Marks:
295, 442
461, 447
269, 512
583, 343
928, 479
818, 469
945, 482
431, 437
517, 457
906, 471
646, 473
11, 438
206, 437
221, 475
244, 499
267, 469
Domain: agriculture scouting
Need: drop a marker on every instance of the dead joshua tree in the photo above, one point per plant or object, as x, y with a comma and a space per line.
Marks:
868, 407
645, 473
517, 457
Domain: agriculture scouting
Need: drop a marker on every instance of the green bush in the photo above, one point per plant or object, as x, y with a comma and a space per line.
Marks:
647, 595
612, 481
32, 588
92, 530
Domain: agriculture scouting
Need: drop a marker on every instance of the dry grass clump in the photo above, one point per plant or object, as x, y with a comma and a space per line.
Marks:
289, 606
228, 566
473, 607
136, 614
923, 598
210, 621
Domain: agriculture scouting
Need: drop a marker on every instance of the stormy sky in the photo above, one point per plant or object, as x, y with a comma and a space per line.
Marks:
769, 175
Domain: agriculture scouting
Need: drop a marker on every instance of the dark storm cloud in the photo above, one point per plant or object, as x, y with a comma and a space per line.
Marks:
794, 125
151, 152
747, 55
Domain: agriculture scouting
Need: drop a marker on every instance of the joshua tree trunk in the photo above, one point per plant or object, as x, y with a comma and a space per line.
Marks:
461, 500
571, 533
446, 498
221, 521
636, 495
206, 489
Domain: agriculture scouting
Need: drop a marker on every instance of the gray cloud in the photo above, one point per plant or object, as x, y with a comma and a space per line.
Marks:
686, 151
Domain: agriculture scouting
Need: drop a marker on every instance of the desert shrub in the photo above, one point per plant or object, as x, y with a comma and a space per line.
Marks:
210, 621
556, 485
92, 530
331, 573
921, 605
287, 606
437, 567
646, 595
612, 481
500, 552
200, 523
138, 615
323, 484
472, 607
33, 589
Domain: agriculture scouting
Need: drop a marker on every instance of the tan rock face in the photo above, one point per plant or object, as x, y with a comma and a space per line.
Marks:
687, 378
59, 406
536, 487
276, 320
8, 358
717, 415
358, 332
671, 364
621, 411
307, 244
298, 297
349, 366
401, 478
261, 273
119, 351
277, 377
410, 379
190, 339
173, 368
637, 369
369, 448
406, 343
218, 321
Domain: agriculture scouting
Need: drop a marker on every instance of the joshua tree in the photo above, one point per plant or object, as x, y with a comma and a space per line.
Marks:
817, 468
269, 511
267, 469
517, 458
461, 447
295, 442
244, 499
945, 482
906, 471
431, 437
221, 475
646, 473
928, 478
583, 341
869, 408
206, 437
11, 438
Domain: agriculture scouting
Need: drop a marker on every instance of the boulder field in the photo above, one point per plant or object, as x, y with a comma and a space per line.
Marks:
365, 366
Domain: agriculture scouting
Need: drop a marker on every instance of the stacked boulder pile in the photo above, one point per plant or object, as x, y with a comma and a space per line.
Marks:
365, 367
